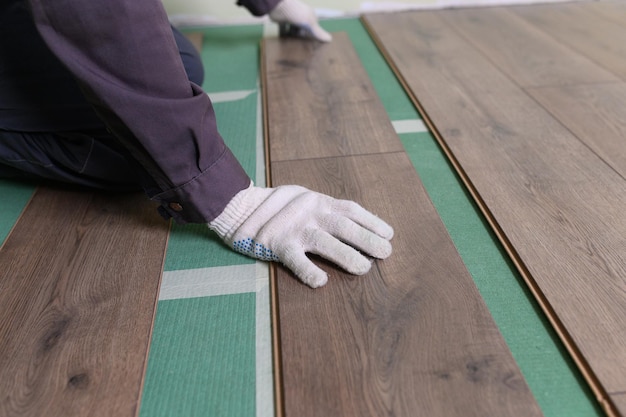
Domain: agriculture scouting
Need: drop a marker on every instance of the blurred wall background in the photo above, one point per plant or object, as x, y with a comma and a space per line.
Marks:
199, 12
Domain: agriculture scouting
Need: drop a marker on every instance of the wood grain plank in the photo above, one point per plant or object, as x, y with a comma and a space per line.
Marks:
78, 289
556, 206
524, 53
611, 10
574, 25
595, 114
411, 336
319, 77
620, 400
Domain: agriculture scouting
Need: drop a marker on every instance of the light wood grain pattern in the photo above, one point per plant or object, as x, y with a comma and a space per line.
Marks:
620, 400
78, 289
611, 10
574, 25
594, 113
555, 205
411, 337
524, 53
320, 79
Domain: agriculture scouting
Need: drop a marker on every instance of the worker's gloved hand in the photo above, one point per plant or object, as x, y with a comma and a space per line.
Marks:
298, 19
283, 223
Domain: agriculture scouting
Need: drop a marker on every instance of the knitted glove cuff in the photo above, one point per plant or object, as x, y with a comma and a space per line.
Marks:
240, 207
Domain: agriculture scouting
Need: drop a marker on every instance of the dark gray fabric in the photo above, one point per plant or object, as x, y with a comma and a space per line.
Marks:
190, 57
47, 128
258, 7
37, 93
124, 58
89, 158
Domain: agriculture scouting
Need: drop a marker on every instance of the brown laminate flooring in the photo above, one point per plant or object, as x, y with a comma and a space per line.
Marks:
528, 103
413, 336
78, 289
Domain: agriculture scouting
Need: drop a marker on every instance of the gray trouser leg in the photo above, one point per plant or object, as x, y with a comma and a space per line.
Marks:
92, 159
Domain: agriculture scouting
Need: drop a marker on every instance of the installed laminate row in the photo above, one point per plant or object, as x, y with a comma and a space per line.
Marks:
583, 29
78, 289
576, 90
525, 53
333, 108
542, 151
594, 113
413, 336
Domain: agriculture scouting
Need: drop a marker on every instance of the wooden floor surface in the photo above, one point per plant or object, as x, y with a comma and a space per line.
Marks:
527, 102
413, 336
78, 289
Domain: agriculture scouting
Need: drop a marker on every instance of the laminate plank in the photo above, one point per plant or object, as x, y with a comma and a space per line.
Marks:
78, 290
584, 31
595, 114
524, 53
411, 336
620, 400
610, 10
322, 80
555, 205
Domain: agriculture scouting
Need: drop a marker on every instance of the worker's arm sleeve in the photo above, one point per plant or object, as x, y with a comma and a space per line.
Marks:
124, 56
258, 7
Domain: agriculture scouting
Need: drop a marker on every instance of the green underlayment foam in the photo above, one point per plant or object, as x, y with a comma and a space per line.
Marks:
202, 358
231, 57
13, 198
202, 354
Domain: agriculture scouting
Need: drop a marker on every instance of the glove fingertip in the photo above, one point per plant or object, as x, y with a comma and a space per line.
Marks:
316, 32
360, 266
382, 229
383, 250
388, 233
322, 35
315, 280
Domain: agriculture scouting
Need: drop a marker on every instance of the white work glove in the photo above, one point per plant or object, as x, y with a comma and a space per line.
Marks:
283, 223
301, 15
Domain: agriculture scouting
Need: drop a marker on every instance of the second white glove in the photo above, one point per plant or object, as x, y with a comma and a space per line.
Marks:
295, 12
284, 223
